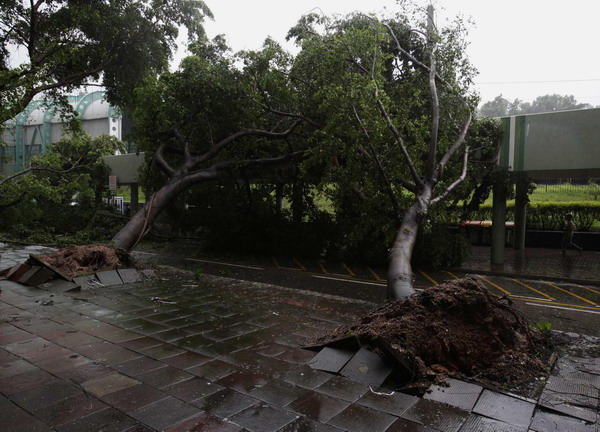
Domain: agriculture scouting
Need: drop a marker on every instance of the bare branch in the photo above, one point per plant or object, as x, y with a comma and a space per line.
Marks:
459, 141
457, 182
161, 162
435, 116
216, 149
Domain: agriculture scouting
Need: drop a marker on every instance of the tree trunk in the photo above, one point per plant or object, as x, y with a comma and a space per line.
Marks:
400, 276
141, 222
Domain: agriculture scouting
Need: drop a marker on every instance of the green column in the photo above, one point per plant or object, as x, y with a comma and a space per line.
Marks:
498, 222
521, 201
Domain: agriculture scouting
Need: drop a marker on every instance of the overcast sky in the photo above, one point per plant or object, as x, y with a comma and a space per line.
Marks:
522, 48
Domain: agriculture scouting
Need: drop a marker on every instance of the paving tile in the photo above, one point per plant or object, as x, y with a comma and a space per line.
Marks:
504, 408
25, 381
549, 422
59, 286
76, 338
109, 278
304, 376
243, 381
129, 275
343, 388
304, 424
213, 370
186, 360
357, 418
108, 384
162, 351
134, 397
57, 364
193, 389
263, 418
31, 400
476, 423
140, 343
165, 413
138, 366
318, 406
69, 410
278, 393
107, 420
84, 372
577, 400
225, 403
87, 282
436, 415
368, 367
297, 355
271, 349
164, 376
403, 425
15, 419
459, 394
205, 423
15, 367
14, 334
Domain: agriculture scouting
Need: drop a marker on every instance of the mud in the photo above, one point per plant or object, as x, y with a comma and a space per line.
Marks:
81, 260
455, 329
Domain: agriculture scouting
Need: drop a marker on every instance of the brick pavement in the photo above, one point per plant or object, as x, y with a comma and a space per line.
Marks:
214, 354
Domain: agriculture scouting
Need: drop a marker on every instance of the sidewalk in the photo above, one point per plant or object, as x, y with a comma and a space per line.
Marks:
215, 354
538, 263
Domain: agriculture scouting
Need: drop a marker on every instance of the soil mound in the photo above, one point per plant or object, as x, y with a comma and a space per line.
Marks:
458, 328
81, 260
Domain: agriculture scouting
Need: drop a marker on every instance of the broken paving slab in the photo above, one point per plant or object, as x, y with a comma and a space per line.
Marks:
459, 394
88, 282
109, 278
368, 367
544, 421
129, 275
507, 409
331, 359
41, 276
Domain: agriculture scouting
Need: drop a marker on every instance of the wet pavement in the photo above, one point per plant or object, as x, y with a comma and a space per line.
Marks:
207, 353
538, 263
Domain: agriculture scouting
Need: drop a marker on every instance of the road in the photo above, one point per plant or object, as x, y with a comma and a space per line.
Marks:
566, 306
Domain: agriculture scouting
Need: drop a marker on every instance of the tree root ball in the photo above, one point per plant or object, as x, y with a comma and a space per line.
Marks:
82, 260
457, 328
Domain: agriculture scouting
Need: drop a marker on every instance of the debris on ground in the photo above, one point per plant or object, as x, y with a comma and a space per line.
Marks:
86, 259
455, 329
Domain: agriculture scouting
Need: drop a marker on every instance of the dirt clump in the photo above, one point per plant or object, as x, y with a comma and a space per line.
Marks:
86, 259
454, 329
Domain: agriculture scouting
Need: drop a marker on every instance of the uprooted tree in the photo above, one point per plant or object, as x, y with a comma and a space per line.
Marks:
208, 119
393, 96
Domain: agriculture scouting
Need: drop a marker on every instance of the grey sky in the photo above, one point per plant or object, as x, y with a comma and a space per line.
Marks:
522, 48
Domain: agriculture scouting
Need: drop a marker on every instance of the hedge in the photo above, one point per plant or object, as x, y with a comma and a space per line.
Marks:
550, 216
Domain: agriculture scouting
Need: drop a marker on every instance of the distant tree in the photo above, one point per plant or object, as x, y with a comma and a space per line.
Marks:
60, 45
501, 107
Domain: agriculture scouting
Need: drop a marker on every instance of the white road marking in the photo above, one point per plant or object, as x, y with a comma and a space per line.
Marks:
564, 308
226, 264
530, 298
355, 281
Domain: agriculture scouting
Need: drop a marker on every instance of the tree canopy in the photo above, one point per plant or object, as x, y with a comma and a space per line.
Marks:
51, 47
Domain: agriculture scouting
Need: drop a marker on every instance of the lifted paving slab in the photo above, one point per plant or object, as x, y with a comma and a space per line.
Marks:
227, 355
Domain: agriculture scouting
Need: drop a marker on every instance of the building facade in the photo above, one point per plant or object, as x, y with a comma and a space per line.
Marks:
40, 125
